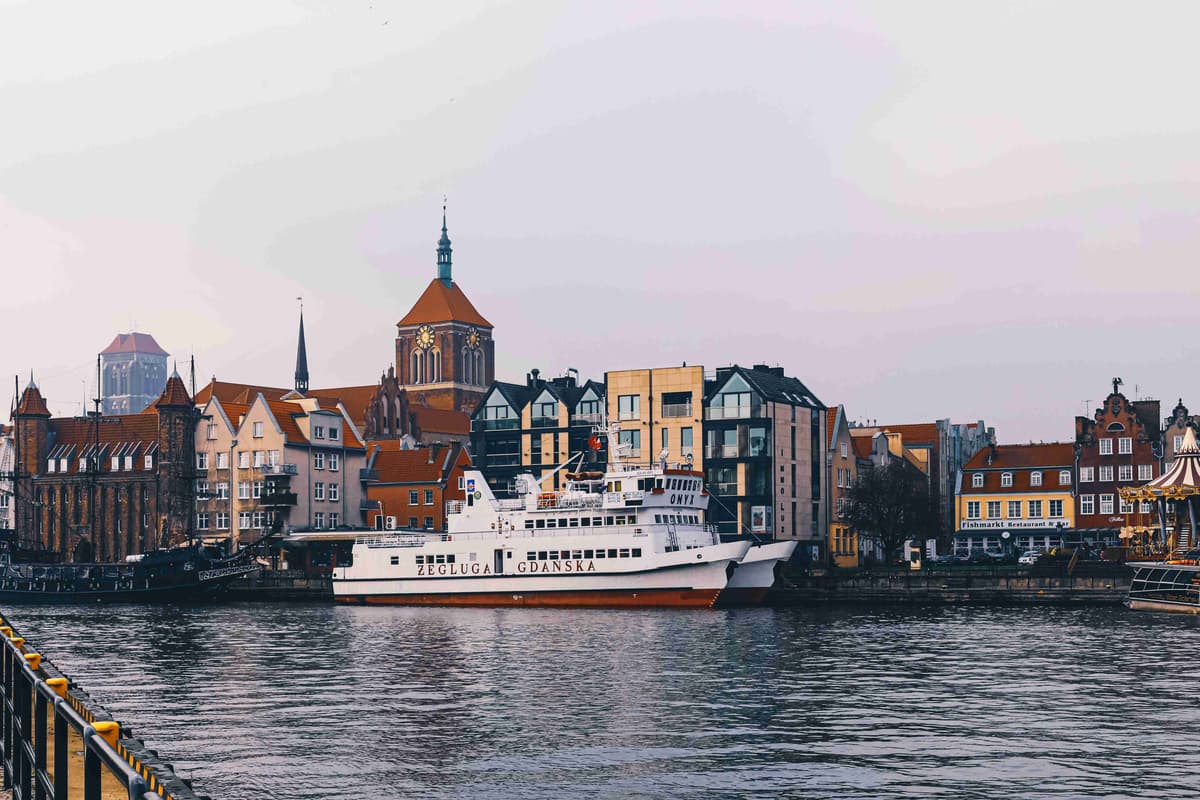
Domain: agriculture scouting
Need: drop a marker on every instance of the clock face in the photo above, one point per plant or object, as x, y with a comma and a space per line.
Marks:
424, 337
473, 338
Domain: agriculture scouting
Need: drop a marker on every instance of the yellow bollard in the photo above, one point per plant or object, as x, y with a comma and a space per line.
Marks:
7, 631
59, 685
109, 731
34, 659
19, 643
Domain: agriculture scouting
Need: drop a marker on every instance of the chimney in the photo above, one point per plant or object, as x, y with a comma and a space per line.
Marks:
433, 452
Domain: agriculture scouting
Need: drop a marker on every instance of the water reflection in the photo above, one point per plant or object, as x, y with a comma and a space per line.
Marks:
333, 702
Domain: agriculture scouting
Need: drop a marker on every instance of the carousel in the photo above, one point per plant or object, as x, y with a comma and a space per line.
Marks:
1165, 561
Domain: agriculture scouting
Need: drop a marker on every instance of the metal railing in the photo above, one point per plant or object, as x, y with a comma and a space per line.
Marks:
55, 741
672, 410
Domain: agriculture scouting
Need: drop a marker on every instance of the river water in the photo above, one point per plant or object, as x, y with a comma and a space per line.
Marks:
310, 701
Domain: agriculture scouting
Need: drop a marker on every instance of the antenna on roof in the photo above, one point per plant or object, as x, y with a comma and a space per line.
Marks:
193, 375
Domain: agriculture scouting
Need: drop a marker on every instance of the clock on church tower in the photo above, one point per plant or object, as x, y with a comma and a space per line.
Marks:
445, 354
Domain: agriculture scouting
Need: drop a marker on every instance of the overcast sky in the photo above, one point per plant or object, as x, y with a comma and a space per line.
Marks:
920, 209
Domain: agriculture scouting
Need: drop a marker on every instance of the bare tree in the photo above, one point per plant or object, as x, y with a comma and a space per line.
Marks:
888, 505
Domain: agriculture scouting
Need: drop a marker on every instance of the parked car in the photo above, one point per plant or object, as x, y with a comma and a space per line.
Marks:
1029, 557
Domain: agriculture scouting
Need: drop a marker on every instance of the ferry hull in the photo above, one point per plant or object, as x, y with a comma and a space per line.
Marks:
1164, 605
755, 575
599, 598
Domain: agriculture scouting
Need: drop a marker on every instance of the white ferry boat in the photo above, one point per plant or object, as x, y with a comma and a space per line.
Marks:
631, 536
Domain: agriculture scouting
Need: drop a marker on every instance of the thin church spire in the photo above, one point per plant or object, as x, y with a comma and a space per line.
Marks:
301, 355
443, 251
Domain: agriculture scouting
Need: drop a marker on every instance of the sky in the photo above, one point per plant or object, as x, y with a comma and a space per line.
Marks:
922, 210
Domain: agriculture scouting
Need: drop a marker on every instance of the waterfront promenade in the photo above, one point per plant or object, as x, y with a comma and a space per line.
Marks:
315, 701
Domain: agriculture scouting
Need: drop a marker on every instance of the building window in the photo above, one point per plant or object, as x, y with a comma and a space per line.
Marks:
257, 518
222, 491
222, 520
257, 489
1125, 445
413, 496
335, 519
1126, 507
1035, 509
201, 490
629, 406
1178, 443
1056, 508
319, 491
258, 458
333, 462
333, 432
318, 431
243, 490
1125, 472
665, 443
1064, 477
243, 459
429, 497
993, 509
202, 461
202, 520
1106, 447
633, 439
1086, 475
115, 466
844, 449
222, 460
1106, 504
333, 492
1014, 509
1087, 504
258, 430
1106, 474
244, 520
1145, 472
412, 522
685, 442
429, 523
318, 461
1035, 478
212, 430
972, 509
319, 520
1005, 479
1147, 508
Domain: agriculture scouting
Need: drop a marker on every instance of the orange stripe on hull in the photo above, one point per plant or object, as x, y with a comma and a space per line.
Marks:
642, 598
749, 596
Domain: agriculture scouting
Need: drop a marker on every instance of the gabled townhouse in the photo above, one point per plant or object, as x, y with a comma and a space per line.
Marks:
410, 489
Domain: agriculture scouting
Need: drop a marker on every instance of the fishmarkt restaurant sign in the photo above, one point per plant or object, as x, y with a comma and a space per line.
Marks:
1011, 524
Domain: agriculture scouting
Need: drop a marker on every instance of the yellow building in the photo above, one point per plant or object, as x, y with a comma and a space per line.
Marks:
1015, 497
843, 473
659, 411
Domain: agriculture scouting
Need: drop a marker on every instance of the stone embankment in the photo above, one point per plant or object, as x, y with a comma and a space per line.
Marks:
1105, 585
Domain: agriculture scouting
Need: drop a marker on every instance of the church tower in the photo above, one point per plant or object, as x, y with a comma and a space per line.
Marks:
133, 373
445, 355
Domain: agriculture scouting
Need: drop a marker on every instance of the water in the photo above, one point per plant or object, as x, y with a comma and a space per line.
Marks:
271, 701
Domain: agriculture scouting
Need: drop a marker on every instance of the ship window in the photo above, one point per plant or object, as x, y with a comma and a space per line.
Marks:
637, 552
586, 522
589, 553
608, 520
541, 523
528, 524
658, 518
531, 556
474, 558
576, 554
597, 522
624, 553
612, 553
599, 554
574, 522
420, 559
541, 555
395, 559
450, 558
552, 523
440, 559
553, 555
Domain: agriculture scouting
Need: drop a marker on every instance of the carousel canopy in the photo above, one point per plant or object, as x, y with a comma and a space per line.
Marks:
1182, 480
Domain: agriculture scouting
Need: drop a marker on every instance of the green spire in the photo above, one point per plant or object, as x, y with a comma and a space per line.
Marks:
443, 251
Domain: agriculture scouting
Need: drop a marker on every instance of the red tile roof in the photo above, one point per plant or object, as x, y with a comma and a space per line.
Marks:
236, 392
356, 399
1021, 460
285, 414
113, 431
862, 445
915, 434
134, 343
413, 466
830, 426
442, 303
174, 393
437, 420
32, 402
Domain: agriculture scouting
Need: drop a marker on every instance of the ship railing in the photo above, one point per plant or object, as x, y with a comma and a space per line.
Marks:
378, 540
57, 740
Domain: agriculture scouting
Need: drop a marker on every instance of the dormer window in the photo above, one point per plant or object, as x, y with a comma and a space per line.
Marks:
1064, 477
1035, 478
318, 431
62, 465
116, 463
333, 432
1005, 479
50, 466
977, 480
148, 462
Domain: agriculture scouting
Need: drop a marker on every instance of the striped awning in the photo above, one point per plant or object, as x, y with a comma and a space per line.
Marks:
1182, 480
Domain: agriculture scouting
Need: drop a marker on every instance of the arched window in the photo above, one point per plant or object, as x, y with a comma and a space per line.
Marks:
435, 366
415, 377
477, 372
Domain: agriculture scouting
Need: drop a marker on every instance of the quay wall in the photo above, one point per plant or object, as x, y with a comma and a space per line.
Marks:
60, 742
921, 587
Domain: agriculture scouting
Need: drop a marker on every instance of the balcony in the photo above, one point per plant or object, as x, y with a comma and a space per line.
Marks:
673, 410
277, 499
277, 469
495, 424
586, 419
733, 412
544, 422
721, 451
729, 489
504, 460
